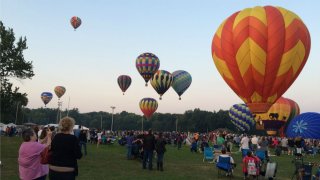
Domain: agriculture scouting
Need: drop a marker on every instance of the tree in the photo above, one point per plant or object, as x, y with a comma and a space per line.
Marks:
12, 65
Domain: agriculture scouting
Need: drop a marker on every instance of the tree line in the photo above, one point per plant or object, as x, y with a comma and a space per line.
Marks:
191, 120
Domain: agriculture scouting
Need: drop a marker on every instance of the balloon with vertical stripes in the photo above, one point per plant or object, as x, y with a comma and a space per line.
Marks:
161, 81
181, 81
124, 82
148, 106
75, 22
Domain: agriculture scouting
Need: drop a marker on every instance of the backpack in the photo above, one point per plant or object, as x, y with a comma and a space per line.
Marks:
252, 168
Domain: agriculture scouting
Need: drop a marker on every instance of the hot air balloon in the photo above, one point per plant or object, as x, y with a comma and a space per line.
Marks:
181, 81
148, 106
46, 97
306, 125
280, 112
161, 81
75, 22
147, 64
260, 52
59, 90
124, 82
241, 117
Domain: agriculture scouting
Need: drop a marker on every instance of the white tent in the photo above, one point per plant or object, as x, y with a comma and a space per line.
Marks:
82, 127
75, 126
54, 125
11, 125
3, 127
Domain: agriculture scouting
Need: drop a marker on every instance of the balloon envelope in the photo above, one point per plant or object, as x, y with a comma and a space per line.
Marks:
147, 64
46, 97
181, 81
148, 106
59, 90
259, 52
241, 117
124, 82
75, 22
161, 81
306, 125
283, 110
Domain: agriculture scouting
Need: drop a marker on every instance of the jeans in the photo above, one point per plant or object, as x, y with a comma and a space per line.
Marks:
84, 144
160, 157
147, 157
129, 153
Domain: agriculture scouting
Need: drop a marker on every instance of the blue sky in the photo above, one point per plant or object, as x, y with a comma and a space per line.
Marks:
113, 33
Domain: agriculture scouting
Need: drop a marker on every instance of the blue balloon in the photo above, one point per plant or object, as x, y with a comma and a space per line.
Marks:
306, 125
181, 81
46, 97
241, 117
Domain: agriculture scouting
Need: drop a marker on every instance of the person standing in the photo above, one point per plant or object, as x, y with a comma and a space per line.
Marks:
65, 151
83, 141
160, 149
254, 141
77, 132
129, 140
284, 145
148, 148
244, 142
30, 156
263, 146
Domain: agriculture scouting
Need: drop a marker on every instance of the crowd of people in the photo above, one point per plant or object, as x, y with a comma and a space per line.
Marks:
66, 146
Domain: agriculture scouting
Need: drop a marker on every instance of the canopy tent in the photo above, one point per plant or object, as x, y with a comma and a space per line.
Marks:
75, 126
30, 124
3, 127
11, 125
82, 127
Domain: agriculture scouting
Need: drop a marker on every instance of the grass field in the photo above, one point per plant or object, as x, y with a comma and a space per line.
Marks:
109, 162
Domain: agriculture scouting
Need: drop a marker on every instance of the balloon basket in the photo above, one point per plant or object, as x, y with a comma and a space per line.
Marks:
272, 133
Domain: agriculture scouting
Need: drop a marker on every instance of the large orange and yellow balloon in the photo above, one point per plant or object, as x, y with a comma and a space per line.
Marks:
259, 52
282, 111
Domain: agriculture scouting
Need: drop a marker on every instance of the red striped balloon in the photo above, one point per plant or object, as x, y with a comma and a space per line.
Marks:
260, 52
124, 82
75, 22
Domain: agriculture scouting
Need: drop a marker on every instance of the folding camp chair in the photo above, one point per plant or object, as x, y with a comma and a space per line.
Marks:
225, 165
261, 155
217, 148
244, 152
208, 155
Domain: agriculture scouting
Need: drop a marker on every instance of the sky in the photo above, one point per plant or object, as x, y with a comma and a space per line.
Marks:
113, 34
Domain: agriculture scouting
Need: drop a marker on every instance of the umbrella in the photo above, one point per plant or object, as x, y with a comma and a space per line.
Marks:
306, 125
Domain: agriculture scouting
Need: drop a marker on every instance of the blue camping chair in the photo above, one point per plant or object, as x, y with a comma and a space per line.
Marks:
224, 164
244, 152
307, 171
208, 154
261, 155
217, 147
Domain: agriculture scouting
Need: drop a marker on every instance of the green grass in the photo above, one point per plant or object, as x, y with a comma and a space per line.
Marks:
109, 162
